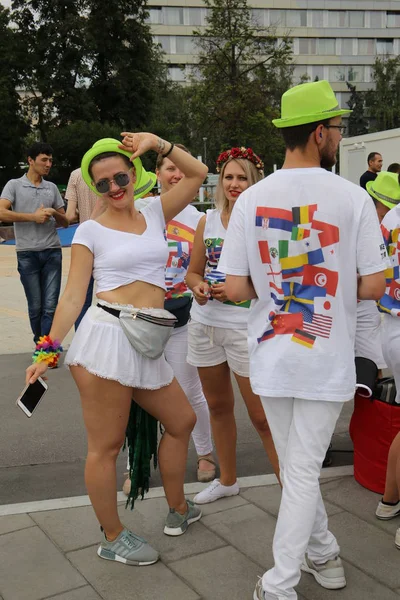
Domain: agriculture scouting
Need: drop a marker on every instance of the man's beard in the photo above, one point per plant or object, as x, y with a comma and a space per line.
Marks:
328, 159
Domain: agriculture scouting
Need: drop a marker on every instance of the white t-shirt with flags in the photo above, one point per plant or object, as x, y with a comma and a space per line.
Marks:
302, 235
230, 315
390, 226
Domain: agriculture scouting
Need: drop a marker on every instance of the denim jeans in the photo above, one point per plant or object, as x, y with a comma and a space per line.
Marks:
40, 273
87, 304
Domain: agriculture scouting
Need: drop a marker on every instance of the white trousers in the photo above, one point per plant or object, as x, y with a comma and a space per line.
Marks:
391, 348
188, 378
302, 431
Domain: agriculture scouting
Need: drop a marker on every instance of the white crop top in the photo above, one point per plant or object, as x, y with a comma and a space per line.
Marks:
121, 258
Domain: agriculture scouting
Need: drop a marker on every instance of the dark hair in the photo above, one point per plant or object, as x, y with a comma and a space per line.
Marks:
39, 148
394, 168
160, 158
372, 155
105, 155
298, 136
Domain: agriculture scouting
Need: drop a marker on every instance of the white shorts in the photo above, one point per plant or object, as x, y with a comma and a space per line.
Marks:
102, 348
391, 348
368, 340
210, 346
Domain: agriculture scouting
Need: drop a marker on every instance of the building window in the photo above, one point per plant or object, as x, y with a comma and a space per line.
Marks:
337, 73
176, 73
155, 16
300, 73
317, 72
185, 45
355, 73
277, 18
326, 46
375, 19
307, 46
356, 18
393, 19
366, 47
259, 17
173, 15
165, 41
347, 46
384, 46
194, 16
296, 18
317, 18
338, 18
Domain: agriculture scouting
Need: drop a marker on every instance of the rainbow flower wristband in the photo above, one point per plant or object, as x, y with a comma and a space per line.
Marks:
48, 351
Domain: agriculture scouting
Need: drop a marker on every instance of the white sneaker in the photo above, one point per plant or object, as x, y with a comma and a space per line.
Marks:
215, 491
386, 512
397, 539
330, 575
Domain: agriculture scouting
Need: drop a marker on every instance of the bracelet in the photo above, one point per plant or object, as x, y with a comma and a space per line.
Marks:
169, 151
48, 351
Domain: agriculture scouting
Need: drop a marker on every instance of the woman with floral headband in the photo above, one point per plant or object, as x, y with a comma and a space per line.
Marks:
218, 329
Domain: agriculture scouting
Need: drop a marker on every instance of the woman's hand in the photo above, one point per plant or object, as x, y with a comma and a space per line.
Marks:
218, 292
201, 293
139, 143
34, 371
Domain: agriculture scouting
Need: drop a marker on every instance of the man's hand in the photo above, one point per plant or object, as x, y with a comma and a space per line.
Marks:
201, 293
41, 215
218, 292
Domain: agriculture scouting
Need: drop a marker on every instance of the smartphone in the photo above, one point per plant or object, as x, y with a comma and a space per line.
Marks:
31, 396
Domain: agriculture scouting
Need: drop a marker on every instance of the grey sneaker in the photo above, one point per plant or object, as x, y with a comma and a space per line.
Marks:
259, 591
397, 539
330, 575
386, 512
177, 524
129, 549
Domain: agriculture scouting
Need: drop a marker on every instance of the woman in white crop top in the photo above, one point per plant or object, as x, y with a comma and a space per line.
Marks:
218, 329
127, 253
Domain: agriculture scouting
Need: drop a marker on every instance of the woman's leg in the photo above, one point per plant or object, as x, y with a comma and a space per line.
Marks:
188, 378
169, 405
217, 387
392, 486
259, 420
106, 405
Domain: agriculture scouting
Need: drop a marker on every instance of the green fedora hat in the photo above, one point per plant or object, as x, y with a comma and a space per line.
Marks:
308, 103
385, 189
147, 182
106, 145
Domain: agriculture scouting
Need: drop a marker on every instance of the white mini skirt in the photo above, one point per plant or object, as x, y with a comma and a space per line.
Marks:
102, 348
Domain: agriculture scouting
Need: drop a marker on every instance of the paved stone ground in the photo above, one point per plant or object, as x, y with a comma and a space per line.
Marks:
52, 554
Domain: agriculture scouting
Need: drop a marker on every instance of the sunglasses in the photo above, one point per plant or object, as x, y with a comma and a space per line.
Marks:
121, 179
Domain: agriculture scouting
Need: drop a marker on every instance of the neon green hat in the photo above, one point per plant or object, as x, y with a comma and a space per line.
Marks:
308, 103
107, 145
385, 189
146, 183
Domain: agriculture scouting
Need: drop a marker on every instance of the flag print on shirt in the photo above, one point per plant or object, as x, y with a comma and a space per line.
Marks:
390, 302
301, 285
211, 273
180, 242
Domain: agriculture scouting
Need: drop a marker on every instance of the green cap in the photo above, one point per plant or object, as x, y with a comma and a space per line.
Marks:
308, 103
385, 189
61, 187
107, 145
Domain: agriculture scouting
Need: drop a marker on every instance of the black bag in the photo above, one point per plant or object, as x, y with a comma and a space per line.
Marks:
180, 308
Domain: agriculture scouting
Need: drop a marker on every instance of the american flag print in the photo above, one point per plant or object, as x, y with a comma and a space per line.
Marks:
319, 325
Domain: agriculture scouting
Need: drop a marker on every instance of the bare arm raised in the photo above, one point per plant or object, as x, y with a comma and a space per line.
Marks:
176, 199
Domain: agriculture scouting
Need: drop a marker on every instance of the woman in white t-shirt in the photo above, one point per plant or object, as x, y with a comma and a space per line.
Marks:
218, 327
126, 251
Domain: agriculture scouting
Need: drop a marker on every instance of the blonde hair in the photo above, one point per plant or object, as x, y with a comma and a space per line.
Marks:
250, 170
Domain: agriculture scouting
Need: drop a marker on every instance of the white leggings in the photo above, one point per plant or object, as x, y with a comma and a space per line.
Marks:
188, 378
301, 430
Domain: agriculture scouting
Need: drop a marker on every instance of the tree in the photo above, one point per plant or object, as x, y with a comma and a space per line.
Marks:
242, 72
14, 125
125, 63
358, 124
383, 102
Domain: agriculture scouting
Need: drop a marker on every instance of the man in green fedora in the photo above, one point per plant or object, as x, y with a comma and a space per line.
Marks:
385, 190
304, 244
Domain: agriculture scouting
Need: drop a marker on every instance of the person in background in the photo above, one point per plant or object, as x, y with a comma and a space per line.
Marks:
36, 208
374, 167
383, 202
218, 327
394, 168
304, 244
178, 300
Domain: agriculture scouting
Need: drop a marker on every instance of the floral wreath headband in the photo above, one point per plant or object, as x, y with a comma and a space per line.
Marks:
246, 153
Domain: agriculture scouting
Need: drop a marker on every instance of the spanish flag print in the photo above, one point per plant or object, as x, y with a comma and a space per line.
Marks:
179, 232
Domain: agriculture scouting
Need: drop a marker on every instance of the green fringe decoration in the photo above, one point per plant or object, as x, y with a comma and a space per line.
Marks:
142, 443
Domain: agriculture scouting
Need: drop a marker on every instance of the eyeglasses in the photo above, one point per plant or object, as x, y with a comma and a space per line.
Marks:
342, 128
121, 179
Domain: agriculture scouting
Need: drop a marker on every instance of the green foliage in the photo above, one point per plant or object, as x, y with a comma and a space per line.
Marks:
242, 72
383, 103
358, 123
14, 125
